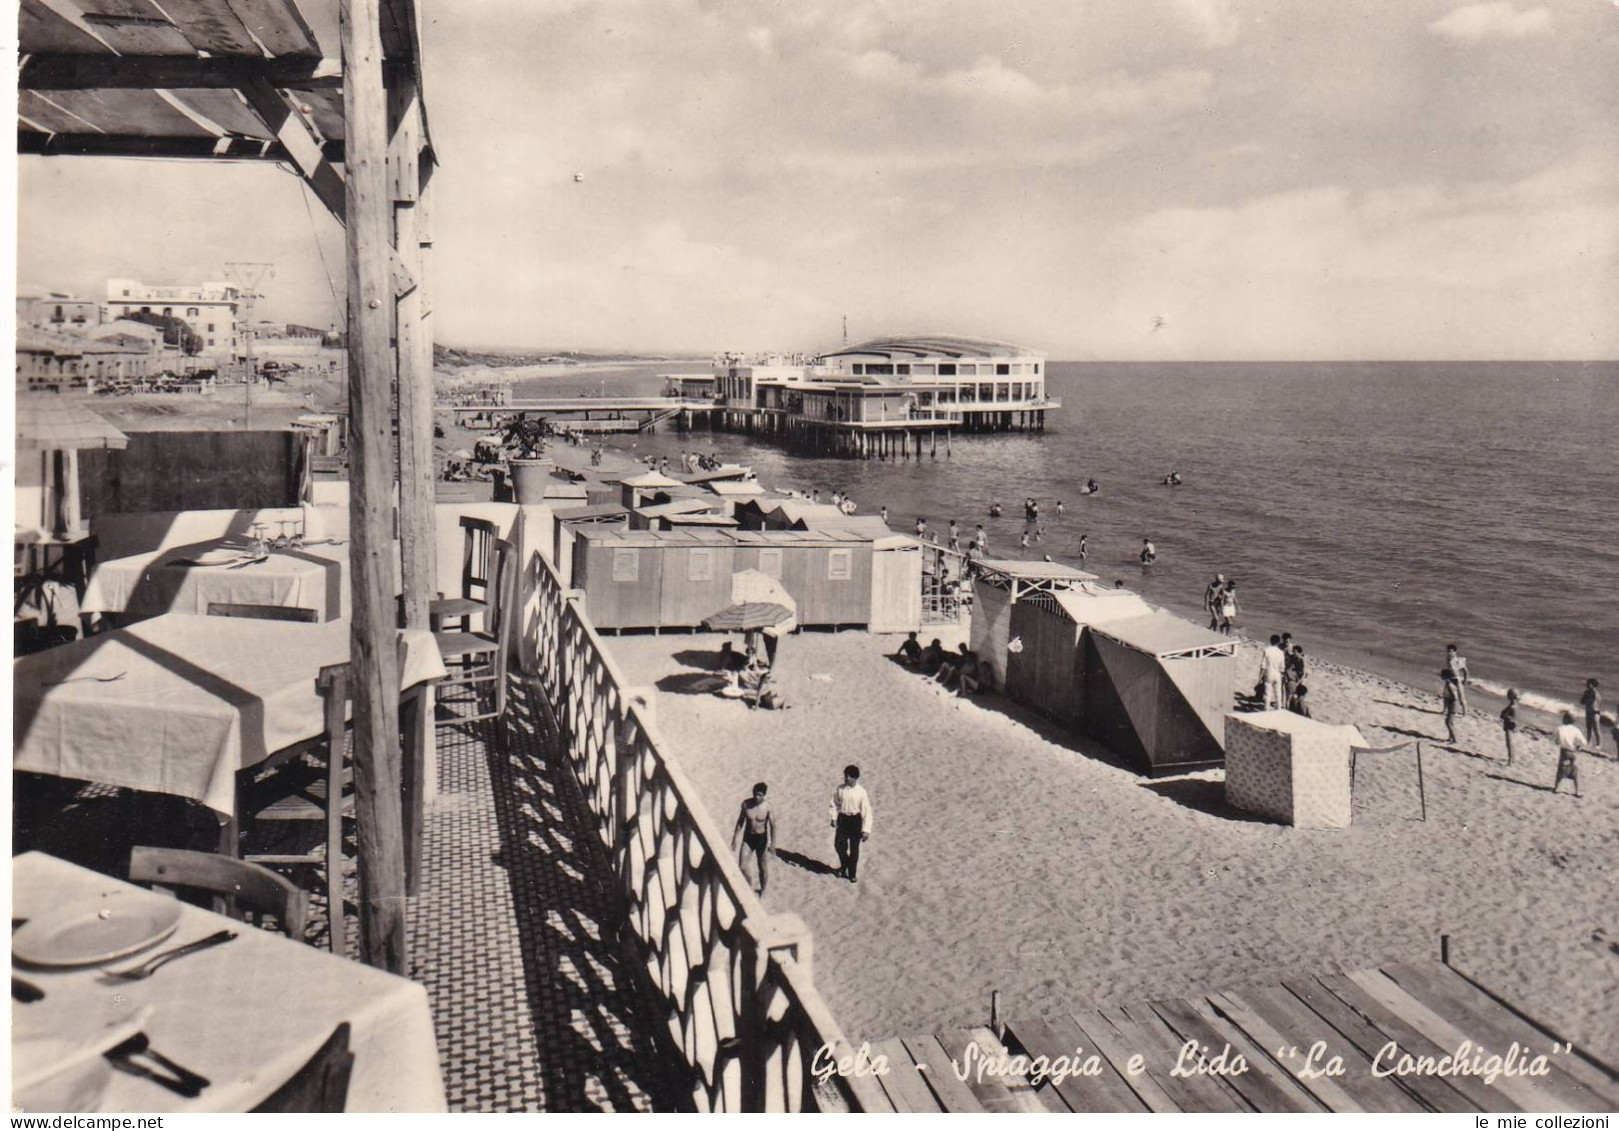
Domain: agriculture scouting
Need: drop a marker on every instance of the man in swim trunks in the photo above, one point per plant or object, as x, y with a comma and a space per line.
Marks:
757, 831
1458, 664
1212, 596
1592, 702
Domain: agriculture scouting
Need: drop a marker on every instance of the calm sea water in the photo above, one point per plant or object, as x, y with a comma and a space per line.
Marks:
1377, 511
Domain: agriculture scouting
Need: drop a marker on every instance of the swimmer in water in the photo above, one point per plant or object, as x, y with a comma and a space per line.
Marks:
1092, 487
1149, 554
995, 510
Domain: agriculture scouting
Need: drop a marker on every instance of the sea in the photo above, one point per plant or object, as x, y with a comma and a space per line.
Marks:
1378, 511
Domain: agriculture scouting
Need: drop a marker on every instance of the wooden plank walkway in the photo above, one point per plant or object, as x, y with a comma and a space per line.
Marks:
1328, 1043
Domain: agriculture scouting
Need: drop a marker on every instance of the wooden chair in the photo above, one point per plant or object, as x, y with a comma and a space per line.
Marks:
477, 658
477, 574
263, 612
321, 1085
232, 882
291, 795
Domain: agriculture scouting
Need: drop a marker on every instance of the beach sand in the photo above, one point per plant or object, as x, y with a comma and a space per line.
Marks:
1010, 854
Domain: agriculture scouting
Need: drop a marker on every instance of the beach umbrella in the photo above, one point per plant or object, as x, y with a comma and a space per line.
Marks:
50, 423
749, 616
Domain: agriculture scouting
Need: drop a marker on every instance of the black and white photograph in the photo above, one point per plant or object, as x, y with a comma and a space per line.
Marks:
841, 556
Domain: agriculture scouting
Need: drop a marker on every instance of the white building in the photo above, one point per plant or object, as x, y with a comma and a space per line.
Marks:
212, 310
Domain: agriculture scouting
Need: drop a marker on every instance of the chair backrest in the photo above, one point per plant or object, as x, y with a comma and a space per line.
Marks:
321, 1085
478, 557
503, 596
249, 885
263, 612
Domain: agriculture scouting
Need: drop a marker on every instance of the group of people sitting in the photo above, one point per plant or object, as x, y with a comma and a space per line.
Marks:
961, 672
747, 674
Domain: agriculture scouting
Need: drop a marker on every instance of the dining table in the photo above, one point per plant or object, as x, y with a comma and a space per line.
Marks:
178, 704
188, 578
245, 1015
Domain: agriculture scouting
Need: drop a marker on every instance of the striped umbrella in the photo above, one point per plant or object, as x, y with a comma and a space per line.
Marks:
749, 616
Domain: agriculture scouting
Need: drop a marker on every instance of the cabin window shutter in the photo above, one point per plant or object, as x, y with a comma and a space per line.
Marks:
700, 566
626, 565
770, 563
839, 565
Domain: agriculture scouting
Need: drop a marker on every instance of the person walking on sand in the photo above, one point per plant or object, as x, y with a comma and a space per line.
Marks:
1592, 702
1569, 743
1084, 540
851, 817
1271, 665
1458, 664
756, 829
1229, 609
1451, 696
1211, 596
1509, 720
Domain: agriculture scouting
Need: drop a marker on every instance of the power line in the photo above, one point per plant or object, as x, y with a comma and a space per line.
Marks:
247, 277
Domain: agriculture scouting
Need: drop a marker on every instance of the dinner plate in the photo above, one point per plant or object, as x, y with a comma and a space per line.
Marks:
95, 930
217, 556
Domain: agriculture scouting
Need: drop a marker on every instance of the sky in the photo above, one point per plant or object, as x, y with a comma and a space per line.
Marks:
1133, 180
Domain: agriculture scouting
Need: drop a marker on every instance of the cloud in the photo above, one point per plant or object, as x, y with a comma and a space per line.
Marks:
1495, 19
1216, 21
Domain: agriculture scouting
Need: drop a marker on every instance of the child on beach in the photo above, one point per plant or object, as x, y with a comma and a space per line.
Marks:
1452, 698
1509, 720
1592, 702
1569, 743
1296, 702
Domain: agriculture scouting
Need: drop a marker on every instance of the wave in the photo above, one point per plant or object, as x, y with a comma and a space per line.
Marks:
1532, 699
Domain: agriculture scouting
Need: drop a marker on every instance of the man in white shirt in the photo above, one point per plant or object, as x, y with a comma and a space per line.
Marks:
1569, 742
851, 817
1271, 666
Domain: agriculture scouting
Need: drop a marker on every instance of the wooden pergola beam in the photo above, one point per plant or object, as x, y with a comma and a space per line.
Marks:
299, 140
374, 653
228, 148
173, 72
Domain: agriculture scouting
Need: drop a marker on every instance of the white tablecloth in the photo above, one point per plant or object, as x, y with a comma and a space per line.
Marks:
187, 701
163, 581
247, 1015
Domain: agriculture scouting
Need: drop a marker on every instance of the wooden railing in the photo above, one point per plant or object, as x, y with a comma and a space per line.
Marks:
731, 983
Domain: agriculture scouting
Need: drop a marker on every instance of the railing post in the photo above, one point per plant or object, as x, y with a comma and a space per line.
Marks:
764, 1082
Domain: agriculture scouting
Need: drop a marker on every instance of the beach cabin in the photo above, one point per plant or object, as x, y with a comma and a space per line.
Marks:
896, 584
571, 521
732, 492
696, 576
1157, 689
646, 489
1000, 585
1045, 660
1289, 768
657, 516
621, 573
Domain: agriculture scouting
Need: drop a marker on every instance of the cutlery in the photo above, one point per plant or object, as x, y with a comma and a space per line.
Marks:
181, 1080
151, 965
24, 990
250, 561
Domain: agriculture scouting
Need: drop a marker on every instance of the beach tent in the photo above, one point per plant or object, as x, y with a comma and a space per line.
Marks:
1045, 659
1157, 689
1001, 584
1290, 768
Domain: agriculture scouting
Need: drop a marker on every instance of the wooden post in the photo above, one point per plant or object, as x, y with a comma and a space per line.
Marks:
414, 366
1422, 793
373, 637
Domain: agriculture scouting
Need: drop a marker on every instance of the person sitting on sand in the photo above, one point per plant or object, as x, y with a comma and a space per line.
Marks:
730, 659
1509, 720
756, 829
951, 668
910, 652
1451, 696
1296, 703
1569, 743
971, 677
932, 657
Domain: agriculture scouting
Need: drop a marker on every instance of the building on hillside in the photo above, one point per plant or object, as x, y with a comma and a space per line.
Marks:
55, 309
212, 310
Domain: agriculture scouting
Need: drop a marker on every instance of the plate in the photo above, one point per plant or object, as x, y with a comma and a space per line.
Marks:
95, 930
53, 1074
216, 557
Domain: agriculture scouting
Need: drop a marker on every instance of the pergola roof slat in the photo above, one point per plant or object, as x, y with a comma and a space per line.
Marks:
40, 29
225, 109
48, 115
137, 112
212, 26
279, 25
141, 35
325, 110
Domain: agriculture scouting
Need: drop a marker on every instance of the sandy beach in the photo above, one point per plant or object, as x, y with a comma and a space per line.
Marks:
1010, 854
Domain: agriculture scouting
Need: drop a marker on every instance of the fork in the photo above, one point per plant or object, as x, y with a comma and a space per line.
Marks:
185, 1082
151, 965
86, 679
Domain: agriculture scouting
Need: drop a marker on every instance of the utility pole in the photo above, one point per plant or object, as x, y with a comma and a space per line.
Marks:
845, 329
247, 277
